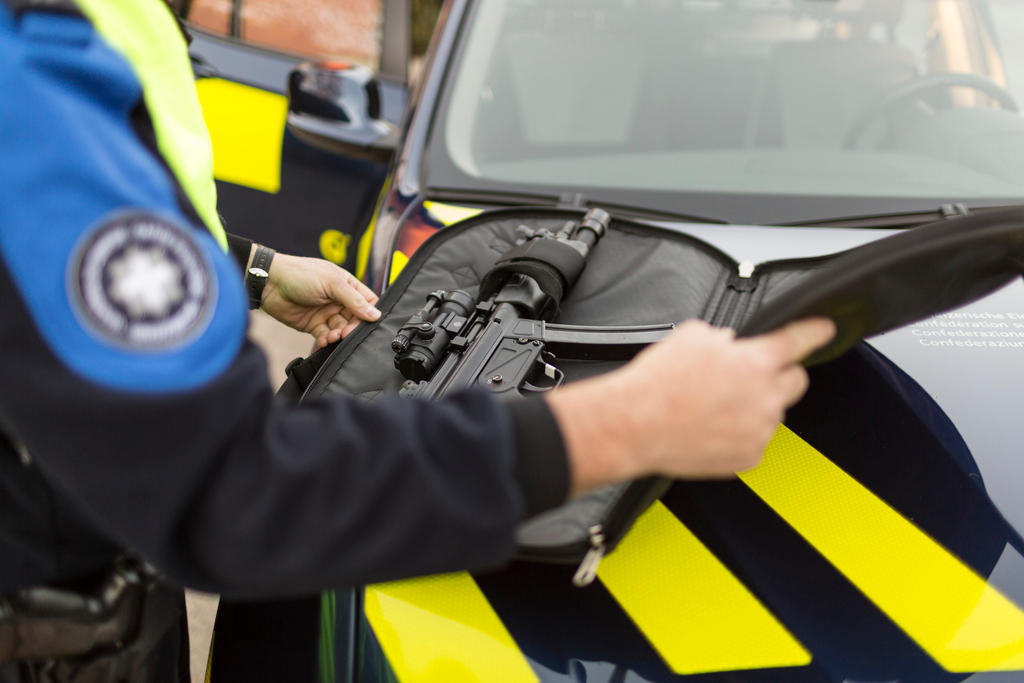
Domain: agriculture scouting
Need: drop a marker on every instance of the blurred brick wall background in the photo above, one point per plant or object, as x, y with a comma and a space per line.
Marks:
323, 29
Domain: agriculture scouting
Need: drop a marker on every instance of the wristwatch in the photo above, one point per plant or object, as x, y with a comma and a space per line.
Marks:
258, 274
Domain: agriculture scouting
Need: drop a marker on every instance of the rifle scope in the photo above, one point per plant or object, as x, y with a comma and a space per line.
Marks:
422, 341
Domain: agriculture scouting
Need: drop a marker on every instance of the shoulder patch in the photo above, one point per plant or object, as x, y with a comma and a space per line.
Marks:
120, 285
140, 282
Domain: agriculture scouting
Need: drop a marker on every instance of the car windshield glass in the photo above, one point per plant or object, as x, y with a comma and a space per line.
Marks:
841, 98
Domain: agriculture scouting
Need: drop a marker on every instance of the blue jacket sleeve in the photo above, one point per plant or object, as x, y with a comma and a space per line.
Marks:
127, 375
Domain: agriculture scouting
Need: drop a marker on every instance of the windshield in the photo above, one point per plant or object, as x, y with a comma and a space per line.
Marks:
867, 100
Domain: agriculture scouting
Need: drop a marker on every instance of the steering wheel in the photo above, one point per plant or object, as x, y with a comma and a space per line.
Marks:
914, 90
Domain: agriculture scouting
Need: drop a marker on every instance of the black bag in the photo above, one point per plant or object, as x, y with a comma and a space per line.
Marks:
640, 274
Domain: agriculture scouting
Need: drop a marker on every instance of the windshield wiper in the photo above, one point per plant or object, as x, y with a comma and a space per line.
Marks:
566, 199
908, 219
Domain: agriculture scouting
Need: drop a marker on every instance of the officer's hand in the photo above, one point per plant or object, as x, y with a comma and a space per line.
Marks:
315, 296
698, 404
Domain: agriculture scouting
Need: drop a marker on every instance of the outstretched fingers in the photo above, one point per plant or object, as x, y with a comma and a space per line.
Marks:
354, 296
793, 342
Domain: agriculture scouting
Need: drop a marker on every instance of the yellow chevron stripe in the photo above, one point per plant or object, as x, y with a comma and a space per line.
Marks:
688, 605
247, 127
447, 214
442, 629
948, 609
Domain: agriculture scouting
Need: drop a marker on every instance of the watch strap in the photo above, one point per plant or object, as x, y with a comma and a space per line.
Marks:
257, 275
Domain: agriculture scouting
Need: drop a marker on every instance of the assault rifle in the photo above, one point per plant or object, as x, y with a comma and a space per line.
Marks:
503, 340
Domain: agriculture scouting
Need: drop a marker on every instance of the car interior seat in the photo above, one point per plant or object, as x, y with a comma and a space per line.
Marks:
556, 92
813, 90
699, 98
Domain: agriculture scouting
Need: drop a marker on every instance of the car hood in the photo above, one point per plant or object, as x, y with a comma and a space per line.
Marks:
970, 360
879, 540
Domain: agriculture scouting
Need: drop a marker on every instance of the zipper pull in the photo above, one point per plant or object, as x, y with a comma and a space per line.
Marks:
587, 571
742, 280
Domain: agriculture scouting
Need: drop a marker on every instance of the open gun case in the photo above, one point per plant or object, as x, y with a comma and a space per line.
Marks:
644, 275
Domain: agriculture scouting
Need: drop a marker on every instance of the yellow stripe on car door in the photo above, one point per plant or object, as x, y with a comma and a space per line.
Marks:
689, 606
442, 629
247, 128
947, 608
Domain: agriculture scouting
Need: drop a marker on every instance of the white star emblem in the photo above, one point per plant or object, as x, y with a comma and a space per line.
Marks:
145, 282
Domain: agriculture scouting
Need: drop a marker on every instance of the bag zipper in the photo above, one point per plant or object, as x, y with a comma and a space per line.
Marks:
587, 571
736, 296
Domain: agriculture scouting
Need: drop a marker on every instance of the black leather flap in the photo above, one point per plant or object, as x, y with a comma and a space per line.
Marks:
900, 279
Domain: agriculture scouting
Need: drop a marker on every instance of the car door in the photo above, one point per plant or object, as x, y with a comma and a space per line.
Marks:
272, 186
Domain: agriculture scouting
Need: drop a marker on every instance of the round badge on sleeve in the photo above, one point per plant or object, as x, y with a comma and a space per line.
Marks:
138, 281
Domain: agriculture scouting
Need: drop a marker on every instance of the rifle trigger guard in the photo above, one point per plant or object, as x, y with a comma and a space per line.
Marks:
551, 372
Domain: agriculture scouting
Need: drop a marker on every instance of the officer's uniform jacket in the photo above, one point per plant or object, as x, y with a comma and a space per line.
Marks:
137, 414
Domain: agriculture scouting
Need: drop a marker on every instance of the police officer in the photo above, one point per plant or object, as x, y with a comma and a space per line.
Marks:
137, 416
